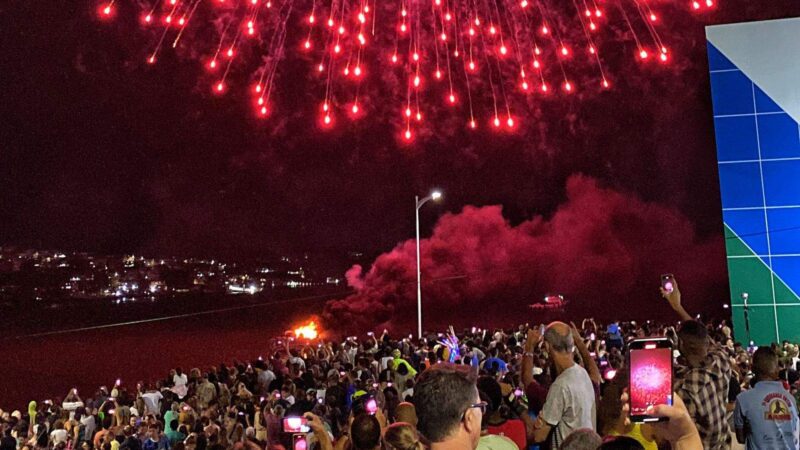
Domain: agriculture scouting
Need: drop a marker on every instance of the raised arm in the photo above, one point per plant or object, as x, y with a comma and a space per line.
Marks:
674, 299
374, 339
316, 425
531, 342
588, 361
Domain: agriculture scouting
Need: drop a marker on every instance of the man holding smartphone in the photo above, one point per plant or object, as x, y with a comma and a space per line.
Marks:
702, 375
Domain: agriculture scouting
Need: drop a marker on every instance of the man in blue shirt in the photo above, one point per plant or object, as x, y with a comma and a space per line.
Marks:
494, 364
156, 440
766, 416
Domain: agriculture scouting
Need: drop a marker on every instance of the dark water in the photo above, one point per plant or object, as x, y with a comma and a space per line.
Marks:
36, 366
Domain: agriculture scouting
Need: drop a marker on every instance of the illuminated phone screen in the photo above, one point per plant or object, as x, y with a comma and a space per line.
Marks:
651, 379
295, 425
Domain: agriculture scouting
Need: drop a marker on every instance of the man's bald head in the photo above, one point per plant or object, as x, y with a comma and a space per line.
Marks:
559, 336
405, 412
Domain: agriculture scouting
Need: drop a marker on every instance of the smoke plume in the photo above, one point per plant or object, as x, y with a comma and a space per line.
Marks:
602, 249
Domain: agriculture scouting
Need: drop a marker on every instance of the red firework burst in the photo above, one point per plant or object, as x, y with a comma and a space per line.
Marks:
482, 57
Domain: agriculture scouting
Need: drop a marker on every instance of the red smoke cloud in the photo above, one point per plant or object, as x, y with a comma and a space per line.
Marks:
602, 249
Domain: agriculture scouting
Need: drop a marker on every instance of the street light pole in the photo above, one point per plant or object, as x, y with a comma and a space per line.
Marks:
419, 275
435, 195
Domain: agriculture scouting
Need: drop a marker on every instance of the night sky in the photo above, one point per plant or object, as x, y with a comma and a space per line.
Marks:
101, 152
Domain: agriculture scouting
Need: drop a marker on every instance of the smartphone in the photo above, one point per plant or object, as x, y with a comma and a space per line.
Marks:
371, 406
650, 377
668, 282
295, 425
518, 392
299, 442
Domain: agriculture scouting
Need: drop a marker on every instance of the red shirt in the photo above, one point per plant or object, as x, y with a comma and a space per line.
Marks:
513, 429
537, 394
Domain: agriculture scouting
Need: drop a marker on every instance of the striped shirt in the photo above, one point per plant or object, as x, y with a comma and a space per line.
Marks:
704, 389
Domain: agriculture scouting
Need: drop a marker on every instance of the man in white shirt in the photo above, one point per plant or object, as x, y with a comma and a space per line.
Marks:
385, 362
265, 377
180, 380
152, 402
71, 403
294, 359
570, 403
87, 420
58, 435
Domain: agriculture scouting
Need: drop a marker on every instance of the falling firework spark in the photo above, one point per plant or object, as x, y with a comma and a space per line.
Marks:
480, 58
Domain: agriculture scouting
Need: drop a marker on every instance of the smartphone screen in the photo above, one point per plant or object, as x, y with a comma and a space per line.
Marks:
299, 442
650, 377
667, 282
371, 406
295, 425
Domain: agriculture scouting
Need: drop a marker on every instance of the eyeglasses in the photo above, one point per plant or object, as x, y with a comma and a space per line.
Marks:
481, 405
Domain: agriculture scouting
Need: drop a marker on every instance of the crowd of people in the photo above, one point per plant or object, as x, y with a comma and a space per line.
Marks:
559, 386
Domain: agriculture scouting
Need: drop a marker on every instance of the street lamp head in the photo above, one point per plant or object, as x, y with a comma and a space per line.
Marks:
436, 195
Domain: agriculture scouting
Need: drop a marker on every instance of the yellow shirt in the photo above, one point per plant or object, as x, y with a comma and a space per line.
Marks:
636, 433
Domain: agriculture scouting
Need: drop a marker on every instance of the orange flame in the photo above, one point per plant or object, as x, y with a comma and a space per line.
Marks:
308, 331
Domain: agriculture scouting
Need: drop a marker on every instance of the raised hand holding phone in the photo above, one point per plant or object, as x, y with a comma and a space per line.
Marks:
679, 429
533, 339
295, 425
650, 377
668, 283
299, 442
314, 422
670, 291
